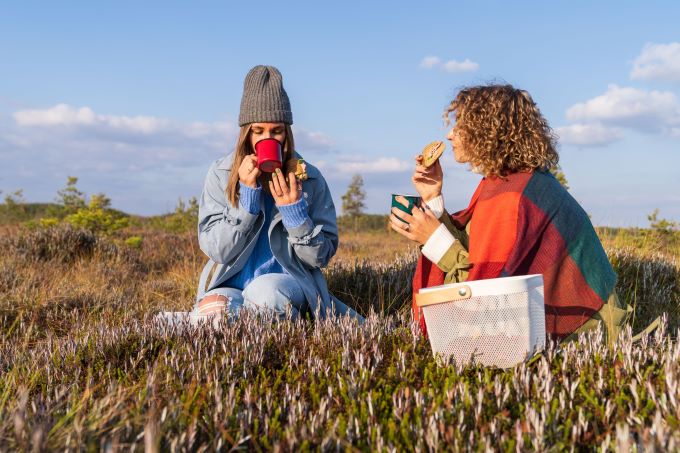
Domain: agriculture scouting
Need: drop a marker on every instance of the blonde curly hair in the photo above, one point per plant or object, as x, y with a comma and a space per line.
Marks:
503, 130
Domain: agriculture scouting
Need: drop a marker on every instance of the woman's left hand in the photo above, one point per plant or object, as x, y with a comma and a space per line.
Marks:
285, 192
417, 227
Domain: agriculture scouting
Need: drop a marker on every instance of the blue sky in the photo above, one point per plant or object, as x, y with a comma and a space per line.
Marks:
138, 99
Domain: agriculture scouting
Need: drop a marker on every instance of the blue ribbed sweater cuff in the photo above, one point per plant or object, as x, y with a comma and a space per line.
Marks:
250, 198
294, 214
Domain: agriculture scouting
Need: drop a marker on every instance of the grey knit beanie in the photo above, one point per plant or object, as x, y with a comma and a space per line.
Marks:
264, 99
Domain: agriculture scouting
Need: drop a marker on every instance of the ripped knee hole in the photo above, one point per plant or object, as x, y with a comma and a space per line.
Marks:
212, 304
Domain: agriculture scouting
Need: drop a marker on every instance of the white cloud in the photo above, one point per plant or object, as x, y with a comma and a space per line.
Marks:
658, 62
648, 111
59, 115
588, 134
143, 162
379, 165
83, 123
65, 115
452, 66
430, 62
461, 66
604, 118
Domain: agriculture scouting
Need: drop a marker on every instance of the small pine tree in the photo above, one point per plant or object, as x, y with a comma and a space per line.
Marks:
664, 232
15, 199
99, 200
70, 197
15, 205
184, 218
353, 200
661, 226
193, 207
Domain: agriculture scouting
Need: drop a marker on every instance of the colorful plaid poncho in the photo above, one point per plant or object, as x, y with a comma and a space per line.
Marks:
528, 224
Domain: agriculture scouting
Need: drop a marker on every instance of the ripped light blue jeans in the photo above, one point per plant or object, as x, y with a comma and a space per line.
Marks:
270, 293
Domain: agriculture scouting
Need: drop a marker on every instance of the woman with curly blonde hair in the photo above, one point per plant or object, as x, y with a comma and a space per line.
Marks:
520, 220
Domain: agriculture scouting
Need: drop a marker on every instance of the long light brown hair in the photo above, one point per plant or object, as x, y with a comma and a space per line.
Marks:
244, 148
502, 130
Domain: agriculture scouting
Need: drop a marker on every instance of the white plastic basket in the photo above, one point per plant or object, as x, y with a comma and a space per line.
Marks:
496, 322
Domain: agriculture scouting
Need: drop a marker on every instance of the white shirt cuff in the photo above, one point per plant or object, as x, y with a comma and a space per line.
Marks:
438, 244
436, 205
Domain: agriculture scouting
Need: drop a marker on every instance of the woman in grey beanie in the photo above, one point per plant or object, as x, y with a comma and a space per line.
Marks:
267, 235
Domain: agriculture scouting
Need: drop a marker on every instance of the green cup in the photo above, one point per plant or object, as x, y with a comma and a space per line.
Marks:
413, 201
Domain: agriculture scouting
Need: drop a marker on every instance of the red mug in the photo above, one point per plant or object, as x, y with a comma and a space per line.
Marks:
269, 154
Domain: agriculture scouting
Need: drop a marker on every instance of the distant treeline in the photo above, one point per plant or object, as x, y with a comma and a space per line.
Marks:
26, 212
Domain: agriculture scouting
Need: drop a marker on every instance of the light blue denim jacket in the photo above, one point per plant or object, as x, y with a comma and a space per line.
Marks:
228, 234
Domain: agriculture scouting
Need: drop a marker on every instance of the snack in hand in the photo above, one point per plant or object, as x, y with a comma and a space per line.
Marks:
301, 170
299, 167
432, 152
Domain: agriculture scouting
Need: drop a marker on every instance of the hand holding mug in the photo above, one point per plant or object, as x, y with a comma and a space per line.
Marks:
428, 181
248, 171
417, 226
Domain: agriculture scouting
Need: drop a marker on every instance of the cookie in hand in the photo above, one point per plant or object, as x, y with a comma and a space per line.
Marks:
297, 166
432, 152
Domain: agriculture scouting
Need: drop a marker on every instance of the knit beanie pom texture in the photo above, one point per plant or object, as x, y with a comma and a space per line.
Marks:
264, 99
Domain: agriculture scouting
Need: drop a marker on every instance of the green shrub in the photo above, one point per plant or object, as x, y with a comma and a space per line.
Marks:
134, 241
48, 222
97, 220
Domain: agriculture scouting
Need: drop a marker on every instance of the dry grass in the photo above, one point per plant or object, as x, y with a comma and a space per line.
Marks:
373, 246
82, 366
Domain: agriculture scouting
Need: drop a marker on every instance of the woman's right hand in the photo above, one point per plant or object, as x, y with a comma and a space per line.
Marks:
428, 181
248, 171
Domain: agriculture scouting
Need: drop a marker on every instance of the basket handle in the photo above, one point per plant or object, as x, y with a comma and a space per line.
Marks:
439, 297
